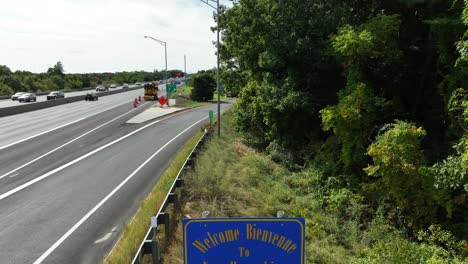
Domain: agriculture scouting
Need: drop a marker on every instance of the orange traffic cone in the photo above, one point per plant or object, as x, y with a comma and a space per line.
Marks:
135, 102
139, 98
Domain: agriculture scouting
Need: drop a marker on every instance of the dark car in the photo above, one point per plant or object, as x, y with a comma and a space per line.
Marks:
91, 96
55, 95
16, 96
27, 97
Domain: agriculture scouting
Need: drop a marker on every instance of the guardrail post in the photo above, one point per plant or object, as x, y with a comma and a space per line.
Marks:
174, 200
155, 251
179, 182
154, 240
163, 218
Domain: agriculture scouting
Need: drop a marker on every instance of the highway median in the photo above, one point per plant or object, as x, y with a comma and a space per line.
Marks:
23, 108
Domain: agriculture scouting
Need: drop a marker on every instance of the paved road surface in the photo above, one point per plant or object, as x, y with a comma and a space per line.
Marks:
69, 205
42, 98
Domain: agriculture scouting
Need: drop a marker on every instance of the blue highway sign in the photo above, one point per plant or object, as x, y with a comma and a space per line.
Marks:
244, 240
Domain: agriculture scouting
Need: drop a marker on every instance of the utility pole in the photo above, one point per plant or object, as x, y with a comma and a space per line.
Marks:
207, 2
185, 65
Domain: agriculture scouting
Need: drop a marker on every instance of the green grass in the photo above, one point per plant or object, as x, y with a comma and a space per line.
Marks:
185, 89
135, 230
184, 102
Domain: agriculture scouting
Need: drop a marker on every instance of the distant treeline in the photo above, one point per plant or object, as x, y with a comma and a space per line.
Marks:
56, 79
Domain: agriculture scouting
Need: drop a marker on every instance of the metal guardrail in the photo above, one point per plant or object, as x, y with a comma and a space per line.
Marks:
150, 243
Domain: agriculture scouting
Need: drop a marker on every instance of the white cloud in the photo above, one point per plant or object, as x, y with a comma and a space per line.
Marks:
105, 35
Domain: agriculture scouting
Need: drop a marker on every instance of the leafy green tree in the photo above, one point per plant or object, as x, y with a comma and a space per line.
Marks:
204, 86
58, 81
46, 85
86, 81
281, 46
13, 82
5, 89
73, 82
4, 70
57, 69
233, 80
353, 121
397, 158
462, 45
451, 174
376, 40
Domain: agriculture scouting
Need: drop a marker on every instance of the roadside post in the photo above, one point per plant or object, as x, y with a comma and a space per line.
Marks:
211, 116
154, 240
244, 240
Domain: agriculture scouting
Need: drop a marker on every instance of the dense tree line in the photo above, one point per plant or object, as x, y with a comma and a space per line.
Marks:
373, 93
56, 79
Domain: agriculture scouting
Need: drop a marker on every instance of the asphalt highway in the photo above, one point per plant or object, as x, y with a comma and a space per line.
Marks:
42, 98
72, 175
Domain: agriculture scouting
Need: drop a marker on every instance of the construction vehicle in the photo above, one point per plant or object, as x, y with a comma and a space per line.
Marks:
151, 91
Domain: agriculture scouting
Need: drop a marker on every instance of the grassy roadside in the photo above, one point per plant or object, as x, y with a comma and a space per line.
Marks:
136, 228
184, 102
185, 89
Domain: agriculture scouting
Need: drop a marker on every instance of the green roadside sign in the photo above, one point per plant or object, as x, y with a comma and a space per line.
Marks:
211, 115
171, 88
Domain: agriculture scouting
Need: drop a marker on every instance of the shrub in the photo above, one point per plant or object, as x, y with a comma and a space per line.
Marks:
397, 158
204, 86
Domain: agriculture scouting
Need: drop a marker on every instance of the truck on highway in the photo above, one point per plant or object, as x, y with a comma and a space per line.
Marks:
151, 91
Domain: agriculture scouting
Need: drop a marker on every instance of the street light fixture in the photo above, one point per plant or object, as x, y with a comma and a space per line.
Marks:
208, 2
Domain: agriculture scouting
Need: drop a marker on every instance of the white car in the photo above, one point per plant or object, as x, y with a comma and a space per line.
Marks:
101, 88
27, 97
16, 96
113, 86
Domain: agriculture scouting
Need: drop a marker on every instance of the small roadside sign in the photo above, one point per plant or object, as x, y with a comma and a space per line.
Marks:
162, 100
171, 88
244, 240
211, 115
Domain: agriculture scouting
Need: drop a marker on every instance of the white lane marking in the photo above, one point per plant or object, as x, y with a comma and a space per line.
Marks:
107, 236
92, 211
14, 175
67, 124
69, 142
21, 187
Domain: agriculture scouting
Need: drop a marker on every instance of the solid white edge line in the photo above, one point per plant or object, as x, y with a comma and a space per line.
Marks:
95, 208
21, 187
69, 142
64, 125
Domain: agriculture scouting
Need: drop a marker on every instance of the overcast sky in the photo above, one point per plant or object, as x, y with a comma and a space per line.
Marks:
105, 35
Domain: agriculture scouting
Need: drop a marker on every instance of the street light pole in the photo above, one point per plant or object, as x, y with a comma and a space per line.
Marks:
165, 56
207, 2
